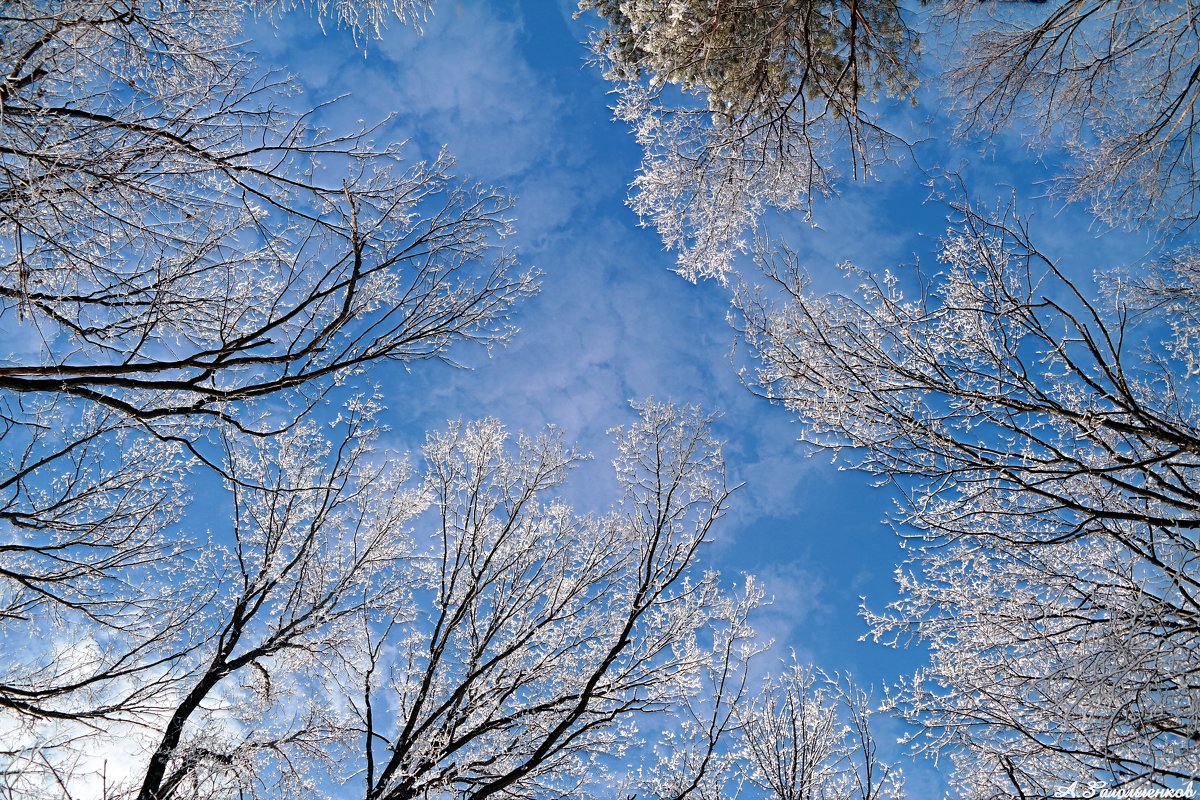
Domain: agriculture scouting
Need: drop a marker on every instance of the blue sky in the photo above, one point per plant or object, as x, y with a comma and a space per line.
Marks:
505, 87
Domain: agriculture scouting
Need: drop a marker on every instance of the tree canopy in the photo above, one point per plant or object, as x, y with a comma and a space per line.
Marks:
1039, 427
783, 95
213, 580
1044, 444
746, 107
217, 579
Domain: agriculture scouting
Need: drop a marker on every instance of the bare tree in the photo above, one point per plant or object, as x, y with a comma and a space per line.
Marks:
741, 106
468, 635
179, 250
219, 698
549, 635
808, 736
177, 242
185, 260
745, 107
802, 735
1117, 81
1045, 444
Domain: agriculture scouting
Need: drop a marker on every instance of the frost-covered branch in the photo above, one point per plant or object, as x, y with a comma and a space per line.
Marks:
1043, 436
